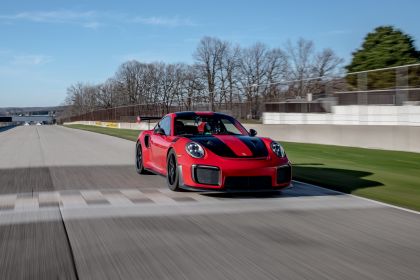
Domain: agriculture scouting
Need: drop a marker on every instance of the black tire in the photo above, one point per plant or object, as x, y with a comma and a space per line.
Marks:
172, 177
139, 160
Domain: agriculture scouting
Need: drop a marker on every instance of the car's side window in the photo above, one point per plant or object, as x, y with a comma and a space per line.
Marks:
165, 124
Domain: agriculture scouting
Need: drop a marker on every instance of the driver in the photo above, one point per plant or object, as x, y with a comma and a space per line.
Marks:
204, 128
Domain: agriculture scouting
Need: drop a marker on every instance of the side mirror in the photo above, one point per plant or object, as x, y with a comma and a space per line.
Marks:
252, 132
159, 131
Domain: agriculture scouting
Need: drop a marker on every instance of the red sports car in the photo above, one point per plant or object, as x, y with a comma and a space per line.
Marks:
211, 151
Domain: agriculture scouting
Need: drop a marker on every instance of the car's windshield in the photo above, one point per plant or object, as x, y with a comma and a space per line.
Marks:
208, 125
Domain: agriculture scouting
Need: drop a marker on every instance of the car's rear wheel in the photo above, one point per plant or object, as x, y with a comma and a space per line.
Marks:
139, 160
172, 177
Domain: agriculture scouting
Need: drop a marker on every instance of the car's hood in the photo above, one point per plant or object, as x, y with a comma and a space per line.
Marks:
232, 145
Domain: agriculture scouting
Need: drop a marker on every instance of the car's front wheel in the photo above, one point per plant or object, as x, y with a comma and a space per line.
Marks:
139, 160
172, 177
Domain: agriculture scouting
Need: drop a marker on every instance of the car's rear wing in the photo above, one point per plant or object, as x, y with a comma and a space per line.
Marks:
147, 119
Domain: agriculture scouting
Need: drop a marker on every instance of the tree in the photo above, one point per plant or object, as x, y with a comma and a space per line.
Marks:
208, 56
385, 47
129, 75
307, 68
82, 97
193, 87
221, 75
253, 70
276, 72
106, 96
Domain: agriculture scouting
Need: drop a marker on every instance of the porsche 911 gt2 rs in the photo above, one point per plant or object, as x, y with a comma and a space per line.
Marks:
211, 151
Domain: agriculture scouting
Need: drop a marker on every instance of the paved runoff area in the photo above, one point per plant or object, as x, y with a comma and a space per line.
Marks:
73, 207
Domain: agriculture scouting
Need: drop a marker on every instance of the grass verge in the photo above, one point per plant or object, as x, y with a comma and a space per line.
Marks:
388, 176
129, 134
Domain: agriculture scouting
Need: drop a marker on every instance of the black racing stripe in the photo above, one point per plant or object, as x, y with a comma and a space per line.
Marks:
215, 145
256, 145
186, 114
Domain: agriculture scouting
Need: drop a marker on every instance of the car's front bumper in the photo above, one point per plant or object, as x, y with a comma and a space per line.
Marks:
236, 174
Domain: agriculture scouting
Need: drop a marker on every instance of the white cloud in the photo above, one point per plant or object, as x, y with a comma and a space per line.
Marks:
31, 59
85, 19
4, 52
50, 16
164, 21
92, 25
92, 19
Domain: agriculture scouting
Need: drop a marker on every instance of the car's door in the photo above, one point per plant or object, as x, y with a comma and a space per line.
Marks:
160, 143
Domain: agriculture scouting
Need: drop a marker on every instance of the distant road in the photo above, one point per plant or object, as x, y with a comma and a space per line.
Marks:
72, 206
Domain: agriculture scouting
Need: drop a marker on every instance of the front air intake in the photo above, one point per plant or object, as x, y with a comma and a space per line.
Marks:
284, 174
206, 175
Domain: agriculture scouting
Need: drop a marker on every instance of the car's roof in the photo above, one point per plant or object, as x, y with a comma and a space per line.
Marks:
198, 113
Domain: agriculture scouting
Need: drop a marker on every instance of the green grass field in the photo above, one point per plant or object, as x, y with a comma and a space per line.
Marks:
388, 176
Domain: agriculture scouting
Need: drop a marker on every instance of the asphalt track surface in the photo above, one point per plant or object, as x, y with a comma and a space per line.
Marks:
73, 207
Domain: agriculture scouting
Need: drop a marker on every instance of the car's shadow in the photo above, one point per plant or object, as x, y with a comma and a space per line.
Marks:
343, 180
297, 189
244, 195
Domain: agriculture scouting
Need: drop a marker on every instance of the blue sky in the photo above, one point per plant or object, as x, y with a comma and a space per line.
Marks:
47, 45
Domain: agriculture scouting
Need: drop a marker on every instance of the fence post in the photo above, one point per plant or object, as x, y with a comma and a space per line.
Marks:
401, 85
362, 86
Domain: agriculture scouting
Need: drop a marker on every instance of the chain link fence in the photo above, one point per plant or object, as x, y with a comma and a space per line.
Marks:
393, 86
240, 110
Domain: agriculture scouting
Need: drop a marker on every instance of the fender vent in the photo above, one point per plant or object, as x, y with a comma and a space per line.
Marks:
146, 141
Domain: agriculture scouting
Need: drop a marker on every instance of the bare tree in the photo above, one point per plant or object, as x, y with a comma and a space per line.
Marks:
327, 63
129, 76
208, 58
276, 72
227, 77
74, 98
308, 69
108, 94
82, 97
300, 64
193, 87
253, 71
221, 74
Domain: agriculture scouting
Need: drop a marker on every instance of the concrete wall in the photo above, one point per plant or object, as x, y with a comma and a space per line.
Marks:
391, 137
399, 138
136, 126
351, 115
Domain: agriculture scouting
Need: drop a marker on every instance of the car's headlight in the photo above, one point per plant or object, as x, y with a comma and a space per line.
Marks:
278, 149
195, 150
